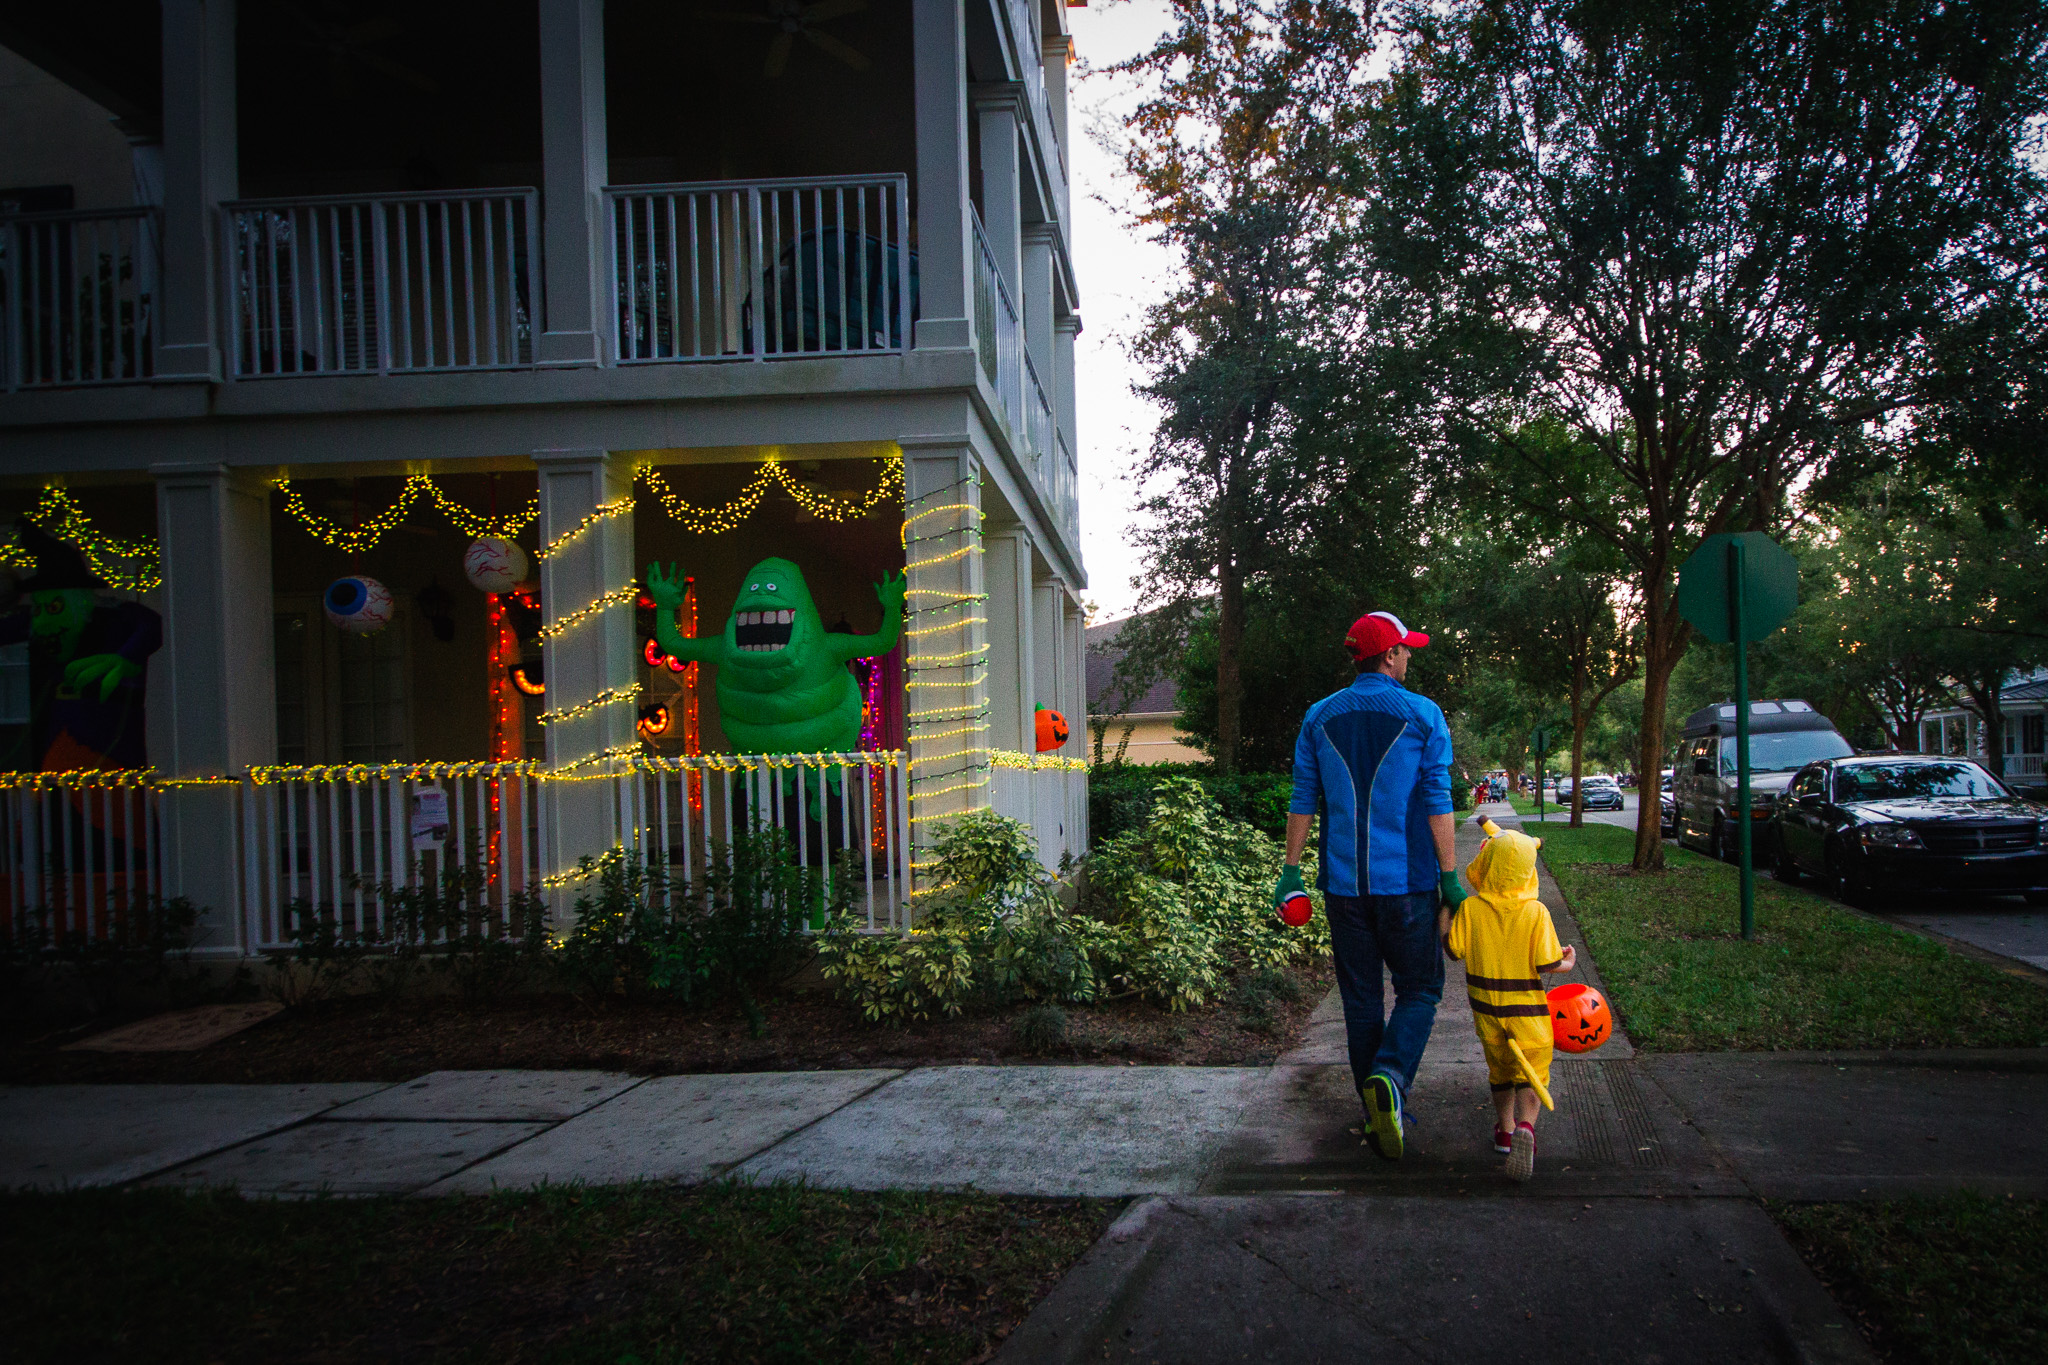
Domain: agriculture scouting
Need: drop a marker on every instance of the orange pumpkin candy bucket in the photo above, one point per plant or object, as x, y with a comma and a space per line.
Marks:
1579, 1018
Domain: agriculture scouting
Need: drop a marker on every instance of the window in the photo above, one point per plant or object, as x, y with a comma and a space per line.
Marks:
1784, 750
376, 721
1911, 781
14, 693
341, 698
2033, 731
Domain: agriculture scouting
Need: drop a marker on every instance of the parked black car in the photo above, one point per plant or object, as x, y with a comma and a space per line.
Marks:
1906, 820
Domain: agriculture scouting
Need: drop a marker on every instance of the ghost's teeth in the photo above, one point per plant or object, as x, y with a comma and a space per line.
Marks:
785, 617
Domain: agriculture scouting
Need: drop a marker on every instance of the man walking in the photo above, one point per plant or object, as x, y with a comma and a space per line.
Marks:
1375, 760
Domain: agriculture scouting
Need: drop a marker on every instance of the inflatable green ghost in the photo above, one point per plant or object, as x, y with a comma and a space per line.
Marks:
783, 683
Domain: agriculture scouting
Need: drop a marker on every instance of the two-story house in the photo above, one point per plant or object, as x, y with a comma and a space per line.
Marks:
301, 303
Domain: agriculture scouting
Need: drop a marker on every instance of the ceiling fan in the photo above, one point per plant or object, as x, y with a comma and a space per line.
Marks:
793, 19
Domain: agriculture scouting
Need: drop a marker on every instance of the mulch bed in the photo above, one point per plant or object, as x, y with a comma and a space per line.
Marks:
366, 1038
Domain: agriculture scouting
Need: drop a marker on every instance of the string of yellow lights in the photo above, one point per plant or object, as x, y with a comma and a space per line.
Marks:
129, 565
562, 625
611, 696
605, 511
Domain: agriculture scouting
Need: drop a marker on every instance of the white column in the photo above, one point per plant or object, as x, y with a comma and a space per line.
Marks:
200, 165
216, 673
946, 660
573, 171
595, 655
1037, 301
1012, 684
1074, 657
1057, 48
997, 110
1064, 410
939, 52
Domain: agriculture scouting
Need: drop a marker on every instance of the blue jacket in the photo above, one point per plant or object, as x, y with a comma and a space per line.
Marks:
1375, 759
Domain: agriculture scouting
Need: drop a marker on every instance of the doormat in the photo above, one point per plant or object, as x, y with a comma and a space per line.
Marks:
179, 1031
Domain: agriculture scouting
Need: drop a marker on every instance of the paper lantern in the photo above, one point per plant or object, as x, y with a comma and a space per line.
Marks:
1579, 1018
1052, 729
494, 564
358, 605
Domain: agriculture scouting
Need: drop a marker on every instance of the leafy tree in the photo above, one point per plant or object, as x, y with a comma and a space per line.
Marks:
1718, 241
1230, 151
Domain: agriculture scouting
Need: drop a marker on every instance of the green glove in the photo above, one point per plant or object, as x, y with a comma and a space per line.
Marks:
1452, 890
108, 670
1290, 882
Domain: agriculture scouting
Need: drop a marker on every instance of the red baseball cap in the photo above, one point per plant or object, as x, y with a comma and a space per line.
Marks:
1376, 632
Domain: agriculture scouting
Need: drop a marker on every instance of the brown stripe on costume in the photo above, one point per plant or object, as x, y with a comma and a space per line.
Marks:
1503, 983
1549, 967
1509, 1011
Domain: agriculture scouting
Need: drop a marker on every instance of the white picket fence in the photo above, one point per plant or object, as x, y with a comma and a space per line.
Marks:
83, 851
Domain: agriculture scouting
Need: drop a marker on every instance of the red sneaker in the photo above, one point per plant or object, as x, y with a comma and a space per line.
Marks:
1503, 1141
1522, 1153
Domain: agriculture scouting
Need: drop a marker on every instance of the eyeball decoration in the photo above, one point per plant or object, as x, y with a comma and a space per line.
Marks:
358, 605
494, 564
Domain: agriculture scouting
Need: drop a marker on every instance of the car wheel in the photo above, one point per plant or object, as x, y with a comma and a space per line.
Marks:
1782, 865
1719, 841
1843, 882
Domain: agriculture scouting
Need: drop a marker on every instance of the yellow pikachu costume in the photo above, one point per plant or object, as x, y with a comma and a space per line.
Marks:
1505, 937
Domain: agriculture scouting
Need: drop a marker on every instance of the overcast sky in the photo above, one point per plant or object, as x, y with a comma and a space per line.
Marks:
1120, 274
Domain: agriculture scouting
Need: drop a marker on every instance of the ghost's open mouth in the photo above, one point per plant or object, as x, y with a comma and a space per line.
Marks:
762, 632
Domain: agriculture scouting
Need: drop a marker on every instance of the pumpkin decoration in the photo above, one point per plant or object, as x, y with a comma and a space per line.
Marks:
1579, 1018
1052, 729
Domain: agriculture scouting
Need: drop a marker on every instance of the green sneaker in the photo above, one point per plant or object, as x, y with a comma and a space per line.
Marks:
1383, 1115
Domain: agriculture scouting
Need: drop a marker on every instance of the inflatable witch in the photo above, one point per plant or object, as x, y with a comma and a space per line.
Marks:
88, 664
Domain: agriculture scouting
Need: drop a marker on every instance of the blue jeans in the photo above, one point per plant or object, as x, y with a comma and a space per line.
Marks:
1399, 932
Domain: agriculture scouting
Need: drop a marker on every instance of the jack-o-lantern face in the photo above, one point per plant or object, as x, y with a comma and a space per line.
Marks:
1579, 1018
1052, 729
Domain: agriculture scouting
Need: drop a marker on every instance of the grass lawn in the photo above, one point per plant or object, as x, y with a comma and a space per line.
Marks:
1957, 1279
632, 1273
1670, 947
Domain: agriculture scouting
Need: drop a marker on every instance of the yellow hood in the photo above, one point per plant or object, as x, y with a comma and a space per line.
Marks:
1505, 869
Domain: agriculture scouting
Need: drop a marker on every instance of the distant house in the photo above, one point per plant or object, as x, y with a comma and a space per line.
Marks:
1147, 727
1958, 730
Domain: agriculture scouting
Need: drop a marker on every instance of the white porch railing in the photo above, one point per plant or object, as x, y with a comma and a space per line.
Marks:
761, 270
329, 837
1037, 432
1053, 800
78, 854
1063, 483
843, 814
370, 284
76, 297
2023, 765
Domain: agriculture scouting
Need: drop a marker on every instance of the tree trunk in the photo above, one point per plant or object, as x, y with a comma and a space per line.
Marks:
1229, 670
1578, 752
1987, 701
1663, 646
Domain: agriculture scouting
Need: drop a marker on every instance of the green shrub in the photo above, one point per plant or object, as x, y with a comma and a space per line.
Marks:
1121, 796
992, 932
140, 959
1188, 895
1041, 1029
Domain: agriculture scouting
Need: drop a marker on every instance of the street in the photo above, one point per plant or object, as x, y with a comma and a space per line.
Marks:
2005, 925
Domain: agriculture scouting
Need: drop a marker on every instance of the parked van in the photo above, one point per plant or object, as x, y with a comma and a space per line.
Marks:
1784, 736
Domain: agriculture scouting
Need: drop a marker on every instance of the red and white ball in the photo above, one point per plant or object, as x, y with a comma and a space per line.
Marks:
494, 564
357, 605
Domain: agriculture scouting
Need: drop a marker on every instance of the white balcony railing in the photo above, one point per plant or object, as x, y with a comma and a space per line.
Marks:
1064, 487
82, 854
1037, 432
998, 334
76, 297
761, 270
372, 284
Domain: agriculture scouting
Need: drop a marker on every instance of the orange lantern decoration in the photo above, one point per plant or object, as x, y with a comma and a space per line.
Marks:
1579, 1018
1052, 729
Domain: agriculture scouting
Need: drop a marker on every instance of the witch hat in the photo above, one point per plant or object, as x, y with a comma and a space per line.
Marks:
58, 565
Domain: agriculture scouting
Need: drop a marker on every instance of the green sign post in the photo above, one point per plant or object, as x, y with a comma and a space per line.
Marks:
1539, 744
1734, 589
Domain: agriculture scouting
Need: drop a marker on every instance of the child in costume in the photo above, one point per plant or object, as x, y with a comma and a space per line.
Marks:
1505, 937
